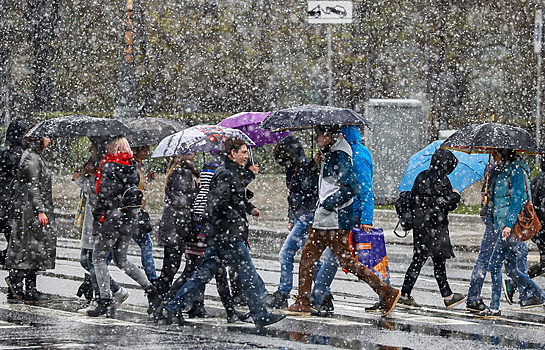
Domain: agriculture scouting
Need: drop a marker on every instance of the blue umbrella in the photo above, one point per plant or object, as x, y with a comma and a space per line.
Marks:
470, 167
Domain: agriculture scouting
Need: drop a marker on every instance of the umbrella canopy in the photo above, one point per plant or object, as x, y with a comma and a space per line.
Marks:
249, 122
485, 137
470, 167
200, 138
78, 125
309, 116
149, 131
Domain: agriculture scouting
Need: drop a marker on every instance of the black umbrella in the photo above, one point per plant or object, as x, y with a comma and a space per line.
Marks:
485, 137
149, 131
78, 125
309, 116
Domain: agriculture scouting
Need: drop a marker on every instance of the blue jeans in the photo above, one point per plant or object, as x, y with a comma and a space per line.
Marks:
146, 252
507, 250
295, 241
237, 257
490, 237
324, 277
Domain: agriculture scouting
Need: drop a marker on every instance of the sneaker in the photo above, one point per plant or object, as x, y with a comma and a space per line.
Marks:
277, 300
104, 308
391, 299
476, 306
530, 303
169, 317
92, 305
297, 309
509, 289
489, 314
270, 319
379, 305
119, 297
455, 300
408, 303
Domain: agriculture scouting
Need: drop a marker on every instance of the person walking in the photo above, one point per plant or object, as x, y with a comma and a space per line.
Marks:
33, 239
181, 188
87, 183
333, 220
10, 156
227, 233
302, 183
433, 197
511, 190
115, 218
142, 237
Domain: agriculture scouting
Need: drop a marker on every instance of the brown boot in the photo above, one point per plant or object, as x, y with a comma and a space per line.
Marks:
390, 300
301, 307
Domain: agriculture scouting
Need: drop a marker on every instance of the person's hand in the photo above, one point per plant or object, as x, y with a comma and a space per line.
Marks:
290, 226
455, 191
255, 213
88, 169
254, 168
506, 232
44, 221
75, 176
152, 175
366, 228
318, 158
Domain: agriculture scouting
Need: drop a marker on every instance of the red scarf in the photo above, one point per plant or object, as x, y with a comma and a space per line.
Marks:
120, 158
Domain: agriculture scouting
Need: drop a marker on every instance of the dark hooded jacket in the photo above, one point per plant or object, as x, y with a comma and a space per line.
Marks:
433, 199
301, 180
227, 204
10, 155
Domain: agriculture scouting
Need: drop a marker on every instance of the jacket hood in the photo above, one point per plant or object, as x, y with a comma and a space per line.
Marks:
16, 131
293, 143
341, 145
443, 161
351, 134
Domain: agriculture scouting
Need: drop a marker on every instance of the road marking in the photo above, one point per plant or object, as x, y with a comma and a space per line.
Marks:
4, 324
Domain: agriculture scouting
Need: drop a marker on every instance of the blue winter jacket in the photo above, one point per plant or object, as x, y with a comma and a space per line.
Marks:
337, 185
364, 202
509, 193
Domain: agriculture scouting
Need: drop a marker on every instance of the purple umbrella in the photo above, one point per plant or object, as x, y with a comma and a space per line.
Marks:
248, 123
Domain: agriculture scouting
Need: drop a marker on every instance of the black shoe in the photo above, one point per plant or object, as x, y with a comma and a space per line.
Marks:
199, 312
327, 304
476, 306
169, 317
104, 307
11, 299
277, 300
36, 297
236, 316
378, 306
455, 300
86, 288
151, 293
509, 289
530, 303
270, 319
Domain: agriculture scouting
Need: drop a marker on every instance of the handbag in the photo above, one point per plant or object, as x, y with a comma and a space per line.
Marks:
527, 224
80, 211
144, 222
370, 249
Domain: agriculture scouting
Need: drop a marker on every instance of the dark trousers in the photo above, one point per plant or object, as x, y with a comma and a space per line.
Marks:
192, 262
23, 278
439, 270
539, 268
171, 264
337, 241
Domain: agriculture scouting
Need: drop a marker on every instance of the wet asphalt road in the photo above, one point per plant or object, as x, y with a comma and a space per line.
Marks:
58, 326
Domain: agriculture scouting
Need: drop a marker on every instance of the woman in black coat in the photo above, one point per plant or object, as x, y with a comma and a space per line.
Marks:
115, 219
32, 244
433, 197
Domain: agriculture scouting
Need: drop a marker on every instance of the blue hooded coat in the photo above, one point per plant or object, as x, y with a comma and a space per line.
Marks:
364, 202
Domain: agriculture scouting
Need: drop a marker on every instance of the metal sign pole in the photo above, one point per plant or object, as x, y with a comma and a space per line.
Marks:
329, 68
537, 50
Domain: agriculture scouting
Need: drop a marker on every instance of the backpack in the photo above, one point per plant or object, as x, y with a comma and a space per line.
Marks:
404, 210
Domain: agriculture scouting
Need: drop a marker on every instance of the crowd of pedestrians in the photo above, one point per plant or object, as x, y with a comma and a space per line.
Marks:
205, 219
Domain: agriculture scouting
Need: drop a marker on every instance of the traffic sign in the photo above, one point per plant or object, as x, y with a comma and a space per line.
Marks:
332, 12
538, 31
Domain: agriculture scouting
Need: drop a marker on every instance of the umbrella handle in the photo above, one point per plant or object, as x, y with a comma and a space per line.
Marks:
487, 178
